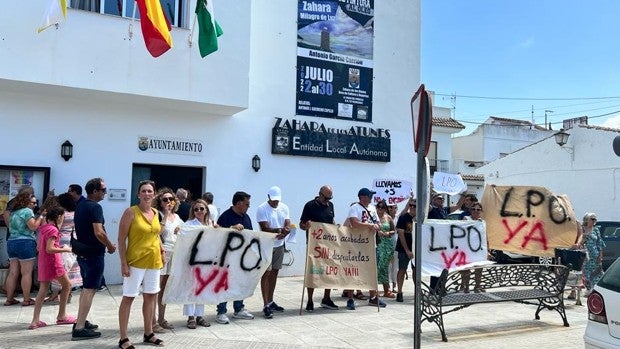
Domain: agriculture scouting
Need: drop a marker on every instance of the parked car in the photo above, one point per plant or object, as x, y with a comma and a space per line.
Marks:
603, 329
610, 231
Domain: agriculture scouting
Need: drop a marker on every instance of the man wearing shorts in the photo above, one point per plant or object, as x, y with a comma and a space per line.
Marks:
90, 231
273, 217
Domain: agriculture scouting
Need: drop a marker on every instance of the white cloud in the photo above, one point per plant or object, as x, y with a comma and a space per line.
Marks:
526, 43
612, 121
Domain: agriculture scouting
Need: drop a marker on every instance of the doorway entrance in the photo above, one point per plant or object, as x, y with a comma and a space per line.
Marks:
173, 177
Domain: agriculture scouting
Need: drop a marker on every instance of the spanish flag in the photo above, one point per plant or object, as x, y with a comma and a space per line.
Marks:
155, 27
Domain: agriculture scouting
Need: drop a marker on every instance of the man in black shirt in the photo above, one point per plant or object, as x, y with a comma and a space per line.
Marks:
320, 209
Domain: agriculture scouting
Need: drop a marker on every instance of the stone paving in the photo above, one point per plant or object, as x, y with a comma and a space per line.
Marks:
500, 325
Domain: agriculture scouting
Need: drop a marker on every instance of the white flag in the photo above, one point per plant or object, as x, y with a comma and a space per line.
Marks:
55, 12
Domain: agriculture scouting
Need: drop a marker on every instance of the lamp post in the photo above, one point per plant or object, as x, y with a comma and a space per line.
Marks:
546, 125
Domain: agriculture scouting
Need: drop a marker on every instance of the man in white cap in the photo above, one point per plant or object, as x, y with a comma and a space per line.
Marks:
273, 217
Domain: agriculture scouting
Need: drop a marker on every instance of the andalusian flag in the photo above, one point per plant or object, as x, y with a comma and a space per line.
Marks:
55, 12
155, 27
208, 29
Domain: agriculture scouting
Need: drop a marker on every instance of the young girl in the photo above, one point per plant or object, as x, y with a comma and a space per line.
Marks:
50, 267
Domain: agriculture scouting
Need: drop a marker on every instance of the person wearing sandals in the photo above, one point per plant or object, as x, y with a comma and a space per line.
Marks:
198, 215
384, 248
141, 254
22, 246
166, 204
51, 267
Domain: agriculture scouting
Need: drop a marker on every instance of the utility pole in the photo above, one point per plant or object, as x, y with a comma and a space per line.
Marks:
546, 125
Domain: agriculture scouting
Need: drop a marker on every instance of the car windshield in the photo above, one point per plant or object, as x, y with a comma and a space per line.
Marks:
611, 278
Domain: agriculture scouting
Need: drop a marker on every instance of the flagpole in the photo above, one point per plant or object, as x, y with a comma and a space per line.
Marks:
133, 19
191, 32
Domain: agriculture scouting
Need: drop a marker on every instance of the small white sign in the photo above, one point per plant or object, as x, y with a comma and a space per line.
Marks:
448, 183
117, 194
169, 145
392, 191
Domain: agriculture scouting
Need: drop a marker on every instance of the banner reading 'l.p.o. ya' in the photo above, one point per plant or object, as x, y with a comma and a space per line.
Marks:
450, 244
340, 257
211, 266
528, 220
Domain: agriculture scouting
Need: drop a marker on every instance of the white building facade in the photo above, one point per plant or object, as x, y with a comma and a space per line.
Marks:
91, 81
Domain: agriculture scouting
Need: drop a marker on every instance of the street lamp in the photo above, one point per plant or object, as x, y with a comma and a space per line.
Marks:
561, 137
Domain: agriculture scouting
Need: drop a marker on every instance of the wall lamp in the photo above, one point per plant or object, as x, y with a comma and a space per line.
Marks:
66, 150
256, 163
561, 137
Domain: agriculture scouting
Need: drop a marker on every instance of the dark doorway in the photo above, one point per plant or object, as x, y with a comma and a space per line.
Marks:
174, 177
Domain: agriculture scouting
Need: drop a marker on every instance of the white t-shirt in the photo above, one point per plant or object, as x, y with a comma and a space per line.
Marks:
358, 211
168, 236
213, 212
274, 216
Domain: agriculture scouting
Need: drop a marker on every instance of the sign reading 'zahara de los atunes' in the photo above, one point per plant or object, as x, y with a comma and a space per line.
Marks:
295, 137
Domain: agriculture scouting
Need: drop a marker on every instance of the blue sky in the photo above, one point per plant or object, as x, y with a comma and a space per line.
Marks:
523, 49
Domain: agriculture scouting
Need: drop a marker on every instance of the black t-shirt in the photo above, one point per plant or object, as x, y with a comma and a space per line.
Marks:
405, 222
316, 212
183, 210
88, 212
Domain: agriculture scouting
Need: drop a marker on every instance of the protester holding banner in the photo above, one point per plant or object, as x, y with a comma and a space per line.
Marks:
362, 215
141, 254
594, 244
405, 228
198, 215
468, 200
320, 209
475, 210
273, 217
166, 204
384, 247
235, 217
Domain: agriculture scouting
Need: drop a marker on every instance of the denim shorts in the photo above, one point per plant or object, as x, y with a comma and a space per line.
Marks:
91, 269
403, 260
22, 249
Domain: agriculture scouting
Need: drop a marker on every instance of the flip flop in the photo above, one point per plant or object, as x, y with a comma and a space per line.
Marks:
28, 303
11, 302
68, 320
37, 325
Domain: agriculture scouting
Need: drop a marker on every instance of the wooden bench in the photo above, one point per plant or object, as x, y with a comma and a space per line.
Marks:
534, 284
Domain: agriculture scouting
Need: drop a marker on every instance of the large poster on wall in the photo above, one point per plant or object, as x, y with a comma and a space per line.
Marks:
335, 58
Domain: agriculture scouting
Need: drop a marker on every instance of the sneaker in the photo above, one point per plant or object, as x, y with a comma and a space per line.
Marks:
310, 306
222, 319
399, 297
243, 314
84, 333
267, 313
328, 304
375, 301
274, 307
350, 304
88, 325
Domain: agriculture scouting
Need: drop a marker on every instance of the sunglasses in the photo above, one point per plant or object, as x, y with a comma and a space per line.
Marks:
103, 190
593, 219
476, 209
196, 209
382, 207
412, 205
167, 199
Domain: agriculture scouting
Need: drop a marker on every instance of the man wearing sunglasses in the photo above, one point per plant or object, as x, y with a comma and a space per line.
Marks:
320, 209
90, 232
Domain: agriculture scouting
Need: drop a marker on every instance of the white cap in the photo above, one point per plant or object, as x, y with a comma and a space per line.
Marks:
274, 194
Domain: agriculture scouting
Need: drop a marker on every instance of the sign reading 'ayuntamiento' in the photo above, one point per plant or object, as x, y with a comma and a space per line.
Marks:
295, 137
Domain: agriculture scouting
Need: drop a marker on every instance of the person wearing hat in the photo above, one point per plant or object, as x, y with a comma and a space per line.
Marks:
437, 209
273, 217
362, 215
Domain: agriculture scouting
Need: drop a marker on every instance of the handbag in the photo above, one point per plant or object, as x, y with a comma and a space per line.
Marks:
81, 249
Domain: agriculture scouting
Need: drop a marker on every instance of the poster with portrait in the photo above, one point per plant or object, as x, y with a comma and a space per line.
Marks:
335, 59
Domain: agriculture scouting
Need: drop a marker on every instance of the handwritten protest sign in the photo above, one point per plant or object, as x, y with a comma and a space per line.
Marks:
210, 266
392, 191
448, 183
340, 257
448, 244
528, 220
